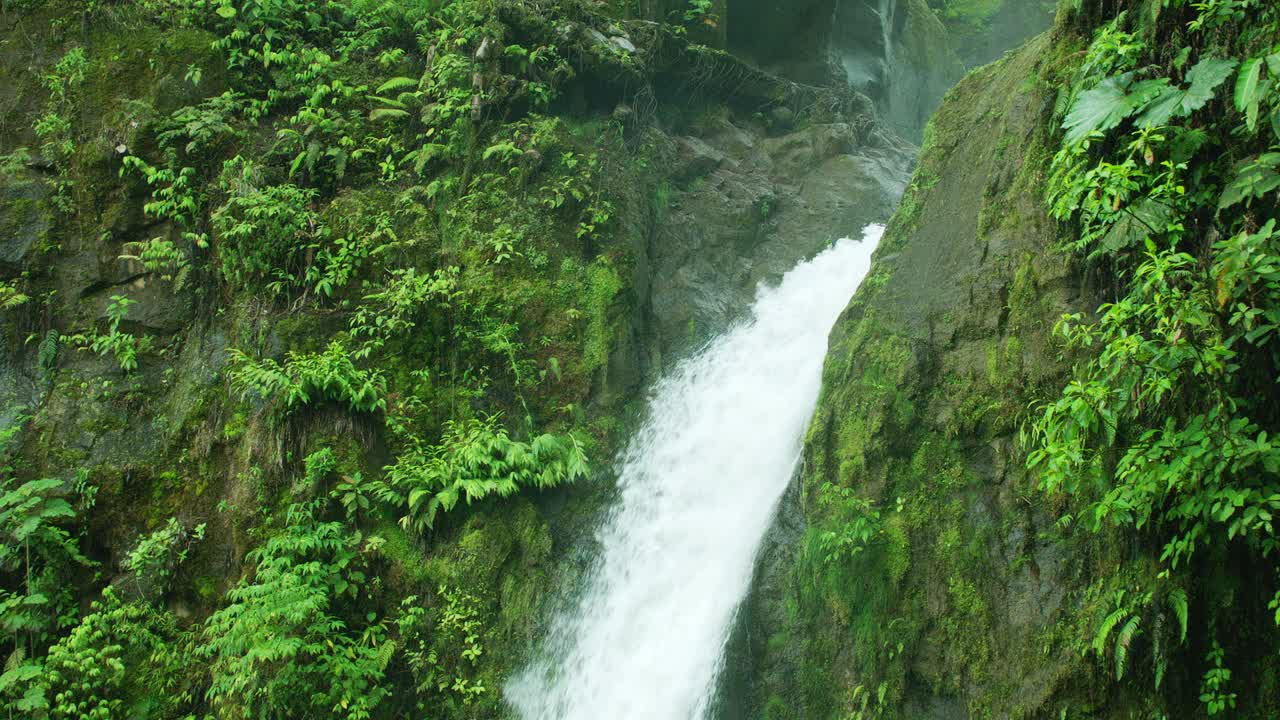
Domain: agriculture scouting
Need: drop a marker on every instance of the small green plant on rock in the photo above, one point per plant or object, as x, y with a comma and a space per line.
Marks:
857, 526
442, 649
124, 347
305, 378
1216, 683
156, 555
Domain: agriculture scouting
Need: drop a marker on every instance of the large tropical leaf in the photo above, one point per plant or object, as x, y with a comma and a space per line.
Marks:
1248, 84
1099, 109
1205, 78
1145, 218
1162, 108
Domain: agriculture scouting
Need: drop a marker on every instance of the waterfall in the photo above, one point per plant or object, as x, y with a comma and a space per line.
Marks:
699, 486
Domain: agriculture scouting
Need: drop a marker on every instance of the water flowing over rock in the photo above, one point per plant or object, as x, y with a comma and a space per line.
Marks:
699, 486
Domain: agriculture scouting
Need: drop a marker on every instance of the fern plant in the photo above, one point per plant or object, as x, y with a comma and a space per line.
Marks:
281, 646
474, 460
307, 378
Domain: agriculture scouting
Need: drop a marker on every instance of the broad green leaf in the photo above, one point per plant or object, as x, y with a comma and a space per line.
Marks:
1144, 219
1247, 96
1099, 109
1254, 179
396, 83
1161, 109
1273, 64
1205, 78
227, 12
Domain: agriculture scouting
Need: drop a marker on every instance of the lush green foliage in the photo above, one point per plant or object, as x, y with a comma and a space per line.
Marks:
858, 523
87, 674
40, 554
278, 648
373, 208
1167, 429
265, 232
124, 347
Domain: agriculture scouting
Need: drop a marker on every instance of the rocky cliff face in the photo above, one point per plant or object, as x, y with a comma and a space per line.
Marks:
906, 54
919, 570
928, 372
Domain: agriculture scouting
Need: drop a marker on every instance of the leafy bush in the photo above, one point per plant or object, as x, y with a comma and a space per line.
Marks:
37, 549
281, 647
93, 671
265, 234
1168, 429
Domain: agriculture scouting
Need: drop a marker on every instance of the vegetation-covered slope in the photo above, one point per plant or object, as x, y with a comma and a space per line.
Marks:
320, 321
1041, 479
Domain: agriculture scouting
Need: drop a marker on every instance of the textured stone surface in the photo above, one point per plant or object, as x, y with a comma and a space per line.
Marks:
744, 208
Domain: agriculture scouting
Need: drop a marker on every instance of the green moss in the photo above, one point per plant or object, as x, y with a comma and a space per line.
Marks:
603, 286
403, 553
897, 549
236, 425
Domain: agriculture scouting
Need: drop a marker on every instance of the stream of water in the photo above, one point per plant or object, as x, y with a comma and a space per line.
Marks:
700, 484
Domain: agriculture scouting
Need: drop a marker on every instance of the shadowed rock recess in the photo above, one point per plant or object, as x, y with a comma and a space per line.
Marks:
329, 327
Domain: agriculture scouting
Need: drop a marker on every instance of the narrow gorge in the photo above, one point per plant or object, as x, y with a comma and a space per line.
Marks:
639, 359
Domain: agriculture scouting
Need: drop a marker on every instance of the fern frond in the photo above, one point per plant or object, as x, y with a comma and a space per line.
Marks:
387, 113
1104, 630
1123, 641
1177, 602
397, 83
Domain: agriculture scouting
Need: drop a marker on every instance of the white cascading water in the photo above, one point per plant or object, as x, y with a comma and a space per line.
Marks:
699, 487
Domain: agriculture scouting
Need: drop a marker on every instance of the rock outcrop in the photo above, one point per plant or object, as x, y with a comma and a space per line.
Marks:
928, 371
906, 54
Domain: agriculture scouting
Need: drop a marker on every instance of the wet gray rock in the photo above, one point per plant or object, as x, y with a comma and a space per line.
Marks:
906, 56
25, 218
749, 207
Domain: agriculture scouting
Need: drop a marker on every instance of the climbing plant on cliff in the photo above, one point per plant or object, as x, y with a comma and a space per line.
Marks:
1167, 431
